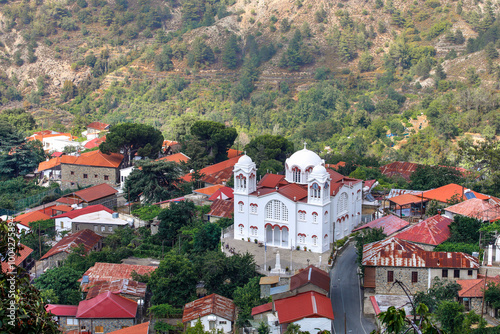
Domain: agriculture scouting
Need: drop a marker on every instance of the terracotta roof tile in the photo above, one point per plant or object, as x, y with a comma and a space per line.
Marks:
211, 304
445, 193
432, 231
222, 193
29, 217
107, 306
62, 310
485, 210
95, 142
262, 308
137, 329
406, 199
312, 275
293, 191
98, 126
208, 191
389, 224
222, 208
217, 173
304, 305
113, 271
54, 162
399, 168
24, 252
177, 157
394, 252
86, 237
94, 193
231, 153
98, 159
473, 288
271, 180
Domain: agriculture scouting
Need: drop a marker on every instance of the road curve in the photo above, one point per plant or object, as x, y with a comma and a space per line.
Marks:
345, 294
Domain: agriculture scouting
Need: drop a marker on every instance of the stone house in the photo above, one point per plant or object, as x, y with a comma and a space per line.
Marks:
90, 241
65, 315
394, 259
101, 223
101, 194
215, 313
91, 168
106, 313
472, 293
309, 279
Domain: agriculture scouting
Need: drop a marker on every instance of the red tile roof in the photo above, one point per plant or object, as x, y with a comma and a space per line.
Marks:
29, 217
177, 157
336, 166
137, 329
56, 154
231, 153
62, 310
262, 308
399, 168
211, 304
389, 224
294, 191
95, 142
432, 231
107, 306
54, 162
24, 252
113, 271
217, 173
485, 210
98, 159
474, 288
304, 305
311, 275
394, 252
122, 286
41, 137
222, 193
407, 199
272, 180
222, 208
86, 237
445, 193
62, 208
209, 191
98, 126
88, 209
94, 193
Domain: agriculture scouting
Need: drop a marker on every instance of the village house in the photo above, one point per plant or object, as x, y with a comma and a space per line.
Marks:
23, 220
125, 287
394, 259
64, 221
472, 293
310, 278
428, 233
218, 173
23, 260
221, 208
101, 223
101, 194
95, 129
390, 224
65, 316
89, 240
216, 313
91, 168
54, 141
486, 210
310, 207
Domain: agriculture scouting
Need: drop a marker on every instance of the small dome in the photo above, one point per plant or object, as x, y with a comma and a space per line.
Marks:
319, 170
303, 159
245, 160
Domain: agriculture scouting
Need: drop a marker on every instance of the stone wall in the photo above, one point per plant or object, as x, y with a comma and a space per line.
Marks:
52, 261
109, 325
73, 176
403, 275
110, 202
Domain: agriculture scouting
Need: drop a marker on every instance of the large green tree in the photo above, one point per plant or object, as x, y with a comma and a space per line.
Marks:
215, 139
174, 218
230, 53
429, 177
132, 139
269, 147
17, 158
63, 281
247, 297
154, 180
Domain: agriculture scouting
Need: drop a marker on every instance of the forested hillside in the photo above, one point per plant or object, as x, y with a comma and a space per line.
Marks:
399, 80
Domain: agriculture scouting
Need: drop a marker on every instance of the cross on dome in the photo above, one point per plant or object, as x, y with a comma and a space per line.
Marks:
305, 145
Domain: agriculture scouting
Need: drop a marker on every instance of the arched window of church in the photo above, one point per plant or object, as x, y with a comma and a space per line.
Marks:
314, 240
342, 203
296, 174
315, 217
240, 207
277, 211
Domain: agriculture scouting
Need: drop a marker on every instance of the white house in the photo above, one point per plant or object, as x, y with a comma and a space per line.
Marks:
124, 173
216, 313
309, 206
64, 221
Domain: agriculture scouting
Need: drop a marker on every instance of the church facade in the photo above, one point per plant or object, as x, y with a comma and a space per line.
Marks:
309, 207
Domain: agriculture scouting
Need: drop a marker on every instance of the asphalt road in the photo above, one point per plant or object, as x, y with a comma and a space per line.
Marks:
345, 294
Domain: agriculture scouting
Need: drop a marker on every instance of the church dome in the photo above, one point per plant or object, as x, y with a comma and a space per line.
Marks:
245, 160
303, 159
319, 170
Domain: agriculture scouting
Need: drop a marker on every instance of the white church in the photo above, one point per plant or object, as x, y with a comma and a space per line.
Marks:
310, 206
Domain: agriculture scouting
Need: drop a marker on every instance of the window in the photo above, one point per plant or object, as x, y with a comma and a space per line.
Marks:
110, 228
85, 176
342, 203
106, 177
96, 176
469, 272
296, 174
444, 273
302, 215
414, 276
315, 191
241, 228
326, 217
277, 211
390, 276
253, 208
253, 230
456, 273
99, 329
315, 217
315, 240
72, 173
103, 228
96, 228
62, 225
71, 322
222, 322
302, 238
240, 207
211, 325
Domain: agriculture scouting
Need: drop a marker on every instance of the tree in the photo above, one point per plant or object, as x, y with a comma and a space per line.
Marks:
215, 139
154, 181
21, 304
174, 218
365, 62
440, 291
429, 177
491, 51
440, 73
22, 120
200, 54
64, 282
230, 53
207, 238
269, 147
450, 315
130, 139
16, 156
246, 298
395, 321
174, 282
296, 54
464, 229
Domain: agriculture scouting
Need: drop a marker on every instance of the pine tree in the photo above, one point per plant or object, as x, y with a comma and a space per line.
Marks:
230, 53
490, 51
440, 73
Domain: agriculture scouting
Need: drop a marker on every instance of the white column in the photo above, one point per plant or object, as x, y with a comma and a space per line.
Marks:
490, 255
